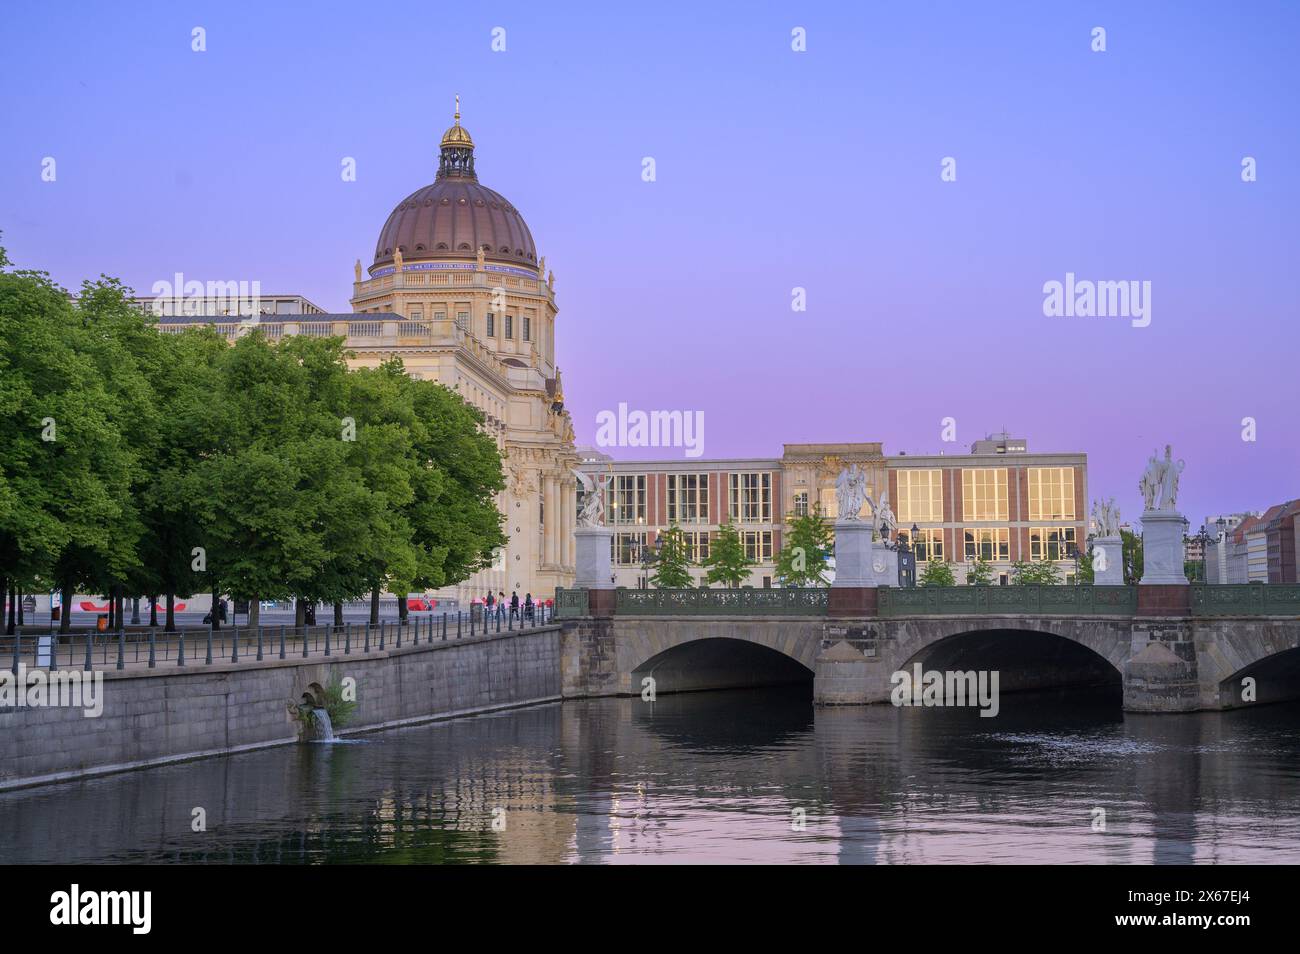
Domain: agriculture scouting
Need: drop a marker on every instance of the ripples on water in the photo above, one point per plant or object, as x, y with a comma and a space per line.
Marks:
713, 777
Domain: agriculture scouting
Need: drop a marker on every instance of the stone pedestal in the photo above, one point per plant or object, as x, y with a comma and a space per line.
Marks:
1162, 548
884, 565
593, 570
1108, 561
853, 554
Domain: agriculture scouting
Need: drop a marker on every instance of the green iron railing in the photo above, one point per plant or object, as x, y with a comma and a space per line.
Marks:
778, 601
1008, 600
570, 603
1245, 599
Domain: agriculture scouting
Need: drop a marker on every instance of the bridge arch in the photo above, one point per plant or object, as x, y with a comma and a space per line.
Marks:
720, 662
1272, 678
1044, 654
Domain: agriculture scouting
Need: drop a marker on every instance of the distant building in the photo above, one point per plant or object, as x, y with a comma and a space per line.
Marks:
236, 305
964, 507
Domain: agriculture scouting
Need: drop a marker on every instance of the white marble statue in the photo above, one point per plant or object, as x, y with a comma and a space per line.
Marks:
592, 513
1105, 514
850, 492
883, 520
1159, 483
1172, 471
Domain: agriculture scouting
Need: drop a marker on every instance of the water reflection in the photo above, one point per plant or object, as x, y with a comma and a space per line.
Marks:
713, 777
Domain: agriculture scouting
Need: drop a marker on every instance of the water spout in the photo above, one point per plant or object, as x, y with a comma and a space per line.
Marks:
324, 727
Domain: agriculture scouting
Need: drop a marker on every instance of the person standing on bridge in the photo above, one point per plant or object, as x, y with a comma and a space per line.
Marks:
501, 605
514, 604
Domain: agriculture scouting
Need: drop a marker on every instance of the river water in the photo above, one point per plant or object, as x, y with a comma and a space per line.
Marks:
740, 776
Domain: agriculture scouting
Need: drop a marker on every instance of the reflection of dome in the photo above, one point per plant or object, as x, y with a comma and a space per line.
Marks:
455, 216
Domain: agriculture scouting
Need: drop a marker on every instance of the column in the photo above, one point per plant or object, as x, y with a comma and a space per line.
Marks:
567, 494
550, 551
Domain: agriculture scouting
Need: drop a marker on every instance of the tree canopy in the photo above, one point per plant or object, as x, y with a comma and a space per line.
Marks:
133, 460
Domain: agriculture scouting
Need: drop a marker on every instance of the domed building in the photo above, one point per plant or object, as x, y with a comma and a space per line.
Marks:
457, 290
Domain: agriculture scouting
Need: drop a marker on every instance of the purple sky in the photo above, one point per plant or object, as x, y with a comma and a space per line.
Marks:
775, 169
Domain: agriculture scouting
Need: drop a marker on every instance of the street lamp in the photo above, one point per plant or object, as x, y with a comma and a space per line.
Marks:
1204, 539
915, 531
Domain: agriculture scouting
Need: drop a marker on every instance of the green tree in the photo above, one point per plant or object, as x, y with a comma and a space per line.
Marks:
670, 567
1133, 563
808, 544
979, 573
67, 395
937, 574
726, 562
1087, 573
1035, 573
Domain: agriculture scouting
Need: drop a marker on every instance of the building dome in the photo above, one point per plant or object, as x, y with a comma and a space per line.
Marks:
455, 216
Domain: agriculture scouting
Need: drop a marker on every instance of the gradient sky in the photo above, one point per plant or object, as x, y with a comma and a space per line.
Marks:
775, 169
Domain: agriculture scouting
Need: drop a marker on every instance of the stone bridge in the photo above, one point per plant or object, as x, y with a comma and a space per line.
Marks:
1211, 647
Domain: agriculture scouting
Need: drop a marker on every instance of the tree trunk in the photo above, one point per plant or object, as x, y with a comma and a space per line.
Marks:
254, 612
374, 606
153, 611
300, 612
216, 609
119, 603
13, 610
19, 591
338, 612
4, 590
110, 609
135, 611
65, 615
171, 612
402, 608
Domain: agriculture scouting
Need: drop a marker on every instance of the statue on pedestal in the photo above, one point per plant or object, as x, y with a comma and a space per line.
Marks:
356, 269
397, 258
883, 520
481, 258
1105, 515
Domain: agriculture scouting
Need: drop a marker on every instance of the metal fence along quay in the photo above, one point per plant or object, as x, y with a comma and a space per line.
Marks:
152, 648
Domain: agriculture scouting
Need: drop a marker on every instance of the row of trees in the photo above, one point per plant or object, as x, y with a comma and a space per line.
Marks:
138, 462
804, 560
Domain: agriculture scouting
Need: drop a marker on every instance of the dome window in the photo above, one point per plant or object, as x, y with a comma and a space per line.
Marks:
463, 247
442, 246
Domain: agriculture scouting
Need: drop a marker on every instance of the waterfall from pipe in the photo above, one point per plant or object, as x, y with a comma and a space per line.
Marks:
323, 724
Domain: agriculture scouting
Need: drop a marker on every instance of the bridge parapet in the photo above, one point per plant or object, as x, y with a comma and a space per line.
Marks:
1245, 599
1009, 600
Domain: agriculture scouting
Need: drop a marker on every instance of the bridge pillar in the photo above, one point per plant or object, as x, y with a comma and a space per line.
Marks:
851, 602
1162, 674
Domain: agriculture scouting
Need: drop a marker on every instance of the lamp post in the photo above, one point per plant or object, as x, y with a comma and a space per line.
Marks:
1204, 539
1072, 551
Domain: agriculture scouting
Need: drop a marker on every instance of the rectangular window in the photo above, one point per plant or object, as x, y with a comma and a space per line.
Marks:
688, 498
628, 503
627, 548
462, 320
988, 543
697, 545
510, 326
1051, 543
758, 545
928, 544
417, 313
439, 316
801, 504
920, 496
491, 325
1051, 493
527, 329
984, 494
751, 497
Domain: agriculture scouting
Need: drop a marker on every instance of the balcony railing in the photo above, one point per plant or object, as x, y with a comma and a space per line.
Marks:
785, 601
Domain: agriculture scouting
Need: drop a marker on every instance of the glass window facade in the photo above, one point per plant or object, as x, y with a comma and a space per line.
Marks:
688, 498
758, 545
984, 494
626, 503
751, 497
920, 496
988, 543
1051, 543
1051, 493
